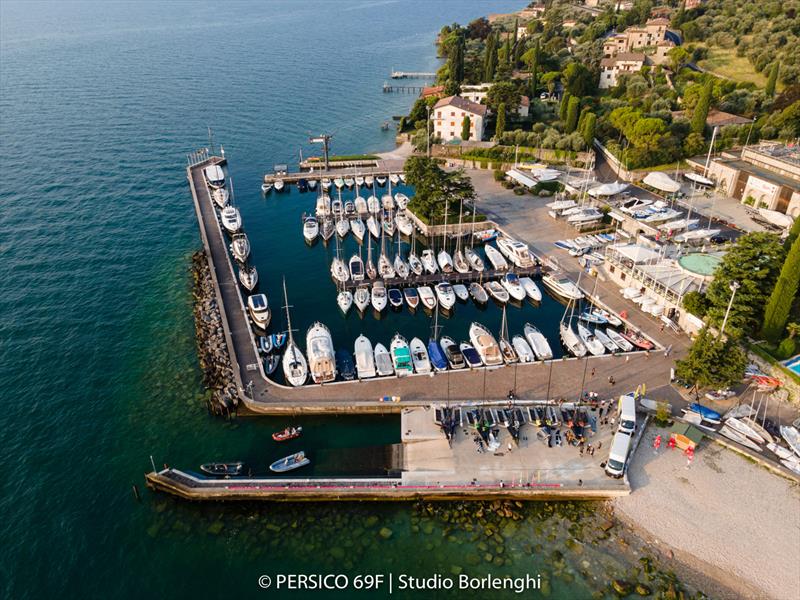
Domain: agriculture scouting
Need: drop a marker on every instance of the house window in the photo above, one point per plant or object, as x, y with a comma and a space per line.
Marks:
453, 113
452, 123
439, 116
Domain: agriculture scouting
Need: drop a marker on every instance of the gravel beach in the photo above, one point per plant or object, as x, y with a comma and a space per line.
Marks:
724, 517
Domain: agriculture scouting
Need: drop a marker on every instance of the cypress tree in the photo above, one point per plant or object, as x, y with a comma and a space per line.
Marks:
700, 113
572, 114
794, 233
465, 124
535, 68
780, 302
516, 27
490, 58
589, 124
773, 79
456, 62
562, 109
509, 50
500, 127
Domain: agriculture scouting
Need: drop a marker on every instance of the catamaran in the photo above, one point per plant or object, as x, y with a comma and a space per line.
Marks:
295, 367
240, 247
321, 357
537, 341
485, 344
258, 308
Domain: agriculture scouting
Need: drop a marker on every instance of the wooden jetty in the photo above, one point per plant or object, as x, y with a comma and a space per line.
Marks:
403, 89
438, 277
413, 75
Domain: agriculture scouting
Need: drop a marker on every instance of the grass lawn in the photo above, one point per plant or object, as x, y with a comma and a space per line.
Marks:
725, 63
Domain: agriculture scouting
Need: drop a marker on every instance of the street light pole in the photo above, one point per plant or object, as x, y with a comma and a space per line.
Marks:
735, 285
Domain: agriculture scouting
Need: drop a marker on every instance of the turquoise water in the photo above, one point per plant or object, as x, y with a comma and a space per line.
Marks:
99, 102
794, 365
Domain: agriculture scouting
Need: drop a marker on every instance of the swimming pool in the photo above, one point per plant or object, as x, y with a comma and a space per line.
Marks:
793, 364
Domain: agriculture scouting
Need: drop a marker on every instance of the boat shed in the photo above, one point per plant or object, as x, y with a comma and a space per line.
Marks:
522, 178
685, 435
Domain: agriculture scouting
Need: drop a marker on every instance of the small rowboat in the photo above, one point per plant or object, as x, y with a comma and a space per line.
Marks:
287, 434
637, 340
290, 463
222, 469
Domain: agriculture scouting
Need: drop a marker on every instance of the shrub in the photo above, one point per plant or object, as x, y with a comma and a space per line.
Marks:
484, 164
499, 175
508, 184
787, 348
749, 201
696, 303
495, 165
519, 190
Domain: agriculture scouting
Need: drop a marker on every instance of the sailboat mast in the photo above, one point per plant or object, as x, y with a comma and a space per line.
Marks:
444, 231
458, 239
288, 318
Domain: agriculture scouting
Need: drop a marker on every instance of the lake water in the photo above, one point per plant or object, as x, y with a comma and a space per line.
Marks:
99, 103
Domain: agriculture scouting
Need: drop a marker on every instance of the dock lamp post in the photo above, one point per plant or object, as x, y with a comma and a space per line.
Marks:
735, 285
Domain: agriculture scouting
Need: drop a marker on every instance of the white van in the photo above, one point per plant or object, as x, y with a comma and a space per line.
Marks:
615, 465
626, 414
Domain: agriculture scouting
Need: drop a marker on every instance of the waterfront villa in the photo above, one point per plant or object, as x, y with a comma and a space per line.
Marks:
623, 63
448, 115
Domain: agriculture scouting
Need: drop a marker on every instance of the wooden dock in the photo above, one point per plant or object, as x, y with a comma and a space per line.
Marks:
454, 277
359, 168
389, 88
413, 75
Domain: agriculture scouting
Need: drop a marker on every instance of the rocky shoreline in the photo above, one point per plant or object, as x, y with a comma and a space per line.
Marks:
212, 352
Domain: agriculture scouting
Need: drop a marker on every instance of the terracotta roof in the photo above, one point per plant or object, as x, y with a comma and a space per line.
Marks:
659, 21
630, 56
462, 104
524, 101
433, 90
608, 62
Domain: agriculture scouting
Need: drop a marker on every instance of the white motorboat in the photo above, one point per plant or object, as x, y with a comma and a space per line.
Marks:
215, 176
571, 340
445, 261
429, 261
356, 267
445, 295
523, 349
359, 179
744, 429
419, 356
369, 181
338, 182
321, 357
511, 282
461, 291
498, 261
312, 184
404, 224
373, 204
373, 227
379, 298
383, 361
326, 183
792, 437
295, 367
531, 289
380, 180
220, 196
231, 219
593, 345
607, 342
240, 247
620, 341
258, 307
517, 252
323, 206
561, 285
475, 261
394, 178
497, 291
337, 207
739, 438
345, 300
485, 345
452, 352
538, 343
361, 298
349, 181
358, 228
610, 318
415, 264
342, 227
401, 356
365, 358
248, 277
385, 268
387, 202
471, 356
411, 297
339, 270
361, 207
401, 200
310, 229
427, 297
400, 266
477, 292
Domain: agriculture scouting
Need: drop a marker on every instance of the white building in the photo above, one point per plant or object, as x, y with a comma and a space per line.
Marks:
448, 115
612, 68
477, 93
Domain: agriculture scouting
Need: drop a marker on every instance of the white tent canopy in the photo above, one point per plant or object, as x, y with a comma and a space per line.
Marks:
609, 189
776, 218
521, 177
662, 181
546, 174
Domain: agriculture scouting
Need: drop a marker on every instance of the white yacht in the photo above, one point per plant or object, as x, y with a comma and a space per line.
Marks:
240, 247
401, 200
404, 224
345, 300
327, 230
258, 307
380, 180
326, 183
312, 184
427, 297
385, 267
279, 185
538, 343
494, 256
419, 356
338, 182
231, 219
445, 261
365, 359
517, 252
383, 361
310, 229
475, 261
485, 345
321, 358
445, 295
361, 298
497, 291
248, 277
295, 367
359, 180
379, 298
560, 284
523, 349
369, 181
387, 202
401, 266
215, 176
510, 281
429, 261
220, 196
356, 268
531, 289
358, 228
592, 344
373, 204
478, 293
323, 206
349, 181
342, 227
571, 340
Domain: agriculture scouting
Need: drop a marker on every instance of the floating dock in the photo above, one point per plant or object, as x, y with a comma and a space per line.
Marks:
434, 278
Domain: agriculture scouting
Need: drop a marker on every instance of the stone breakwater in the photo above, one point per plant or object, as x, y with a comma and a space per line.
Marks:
212, 352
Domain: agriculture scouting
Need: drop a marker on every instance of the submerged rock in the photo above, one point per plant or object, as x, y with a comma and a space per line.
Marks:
385, 533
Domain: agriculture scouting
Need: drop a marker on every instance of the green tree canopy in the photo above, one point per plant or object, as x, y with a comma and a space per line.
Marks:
712, 362
572, 114
700, 112
434, 187
500, 127
465, 125
783, 295
503, 92
588, 129
578, 80
769, 90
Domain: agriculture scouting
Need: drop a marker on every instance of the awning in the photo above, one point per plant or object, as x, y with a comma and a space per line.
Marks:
609, 189
662, 181
520, 177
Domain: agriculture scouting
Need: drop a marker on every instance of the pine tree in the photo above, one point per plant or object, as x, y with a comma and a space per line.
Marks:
712, 361
700, 113
465, 125
562, 109
773, 79
500, 127
589, 124
780, 302
572, 114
